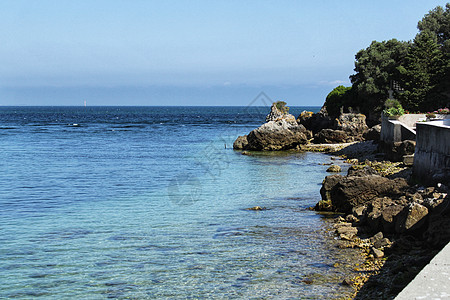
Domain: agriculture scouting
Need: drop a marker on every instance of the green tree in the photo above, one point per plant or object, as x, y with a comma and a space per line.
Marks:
376, 67
437, 21
421, 73
339, 98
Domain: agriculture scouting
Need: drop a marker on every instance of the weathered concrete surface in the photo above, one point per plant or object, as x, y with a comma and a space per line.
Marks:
432, 153
433, 282
395, 131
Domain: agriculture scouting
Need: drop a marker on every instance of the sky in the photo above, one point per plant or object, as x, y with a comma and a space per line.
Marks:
197, 52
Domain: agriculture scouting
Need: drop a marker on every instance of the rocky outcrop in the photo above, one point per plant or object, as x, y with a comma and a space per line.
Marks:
315, 122
277, 135
349, 192
348, 127
387, 205
276, 114
352, 124
280, 132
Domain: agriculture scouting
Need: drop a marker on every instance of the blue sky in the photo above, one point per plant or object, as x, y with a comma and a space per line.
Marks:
189, 52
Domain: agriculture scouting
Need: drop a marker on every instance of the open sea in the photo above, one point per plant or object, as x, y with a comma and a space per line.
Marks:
150, 203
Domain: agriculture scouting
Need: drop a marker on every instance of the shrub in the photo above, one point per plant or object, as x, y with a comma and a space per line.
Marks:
393, 108
281, 106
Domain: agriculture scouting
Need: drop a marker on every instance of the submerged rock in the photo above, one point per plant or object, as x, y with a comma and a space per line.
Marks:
256, 208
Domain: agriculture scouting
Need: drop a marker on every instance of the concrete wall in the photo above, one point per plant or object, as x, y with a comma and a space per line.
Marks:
395, 131
432, 153
404, 127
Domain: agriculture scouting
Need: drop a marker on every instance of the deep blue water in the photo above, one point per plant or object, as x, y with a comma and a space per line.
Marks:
149, 202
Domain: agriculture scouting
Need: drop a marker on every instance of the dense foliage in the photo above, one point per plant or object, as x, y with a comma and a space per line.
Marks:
340, 98
417, 72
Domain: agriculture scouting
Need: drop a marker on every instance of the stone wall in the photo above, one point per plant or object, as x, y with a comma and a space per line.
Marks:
432, 153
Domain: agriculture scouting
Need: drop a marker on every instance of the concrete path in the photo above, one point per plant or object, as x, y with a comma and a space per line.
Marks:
433, 282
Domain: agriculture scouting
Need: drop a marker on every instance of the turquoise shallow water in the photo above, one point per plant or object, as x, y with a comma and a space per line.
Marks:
149, 202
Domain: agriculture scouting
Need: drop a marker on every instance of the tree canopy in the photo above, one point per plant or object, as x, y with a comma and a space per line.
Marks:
417, 71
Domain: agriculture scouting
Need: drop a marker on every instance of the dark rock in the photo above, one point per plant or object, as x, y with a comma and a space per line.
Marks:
315, 122
330, 136
352, 191
240, 143
382, 243
356, 170
388, 215
411, 218
373, 133
328, 184
334, 168
438, 231
396, 151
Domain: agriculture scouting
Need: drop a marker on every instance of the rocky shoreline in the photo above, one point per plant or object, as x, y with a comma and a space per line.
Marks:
396, 224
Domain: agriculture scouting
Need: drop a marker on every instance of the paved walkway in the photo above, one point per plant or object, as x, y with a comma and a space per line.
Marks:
433, 282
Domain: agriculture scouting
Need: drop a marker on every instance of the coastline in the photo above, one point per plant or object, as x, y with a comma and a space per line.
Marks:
391, 260
397, 223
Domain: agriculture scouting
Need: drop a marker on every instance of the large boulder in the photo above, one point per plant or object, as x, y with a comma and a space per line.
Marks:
315, 122
349, 192
277, 135
353, 124
330, 136
280, 132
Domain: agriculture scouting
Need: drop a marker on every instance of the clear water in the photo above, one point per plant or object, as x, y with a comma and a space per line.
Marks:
149, 202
